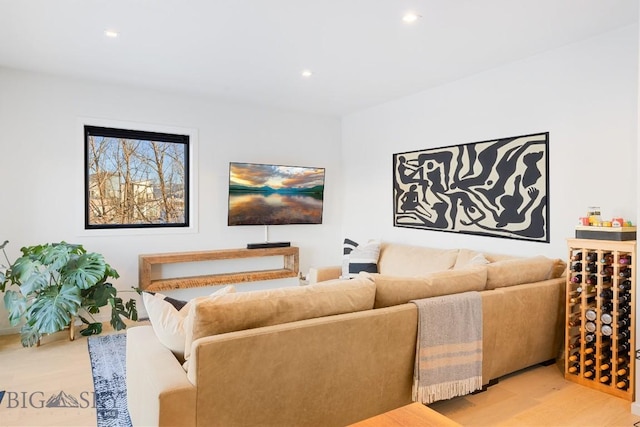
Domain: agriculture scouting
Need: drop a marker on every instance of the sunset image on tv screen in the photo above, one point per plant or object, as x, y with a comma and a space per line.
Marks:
261, 194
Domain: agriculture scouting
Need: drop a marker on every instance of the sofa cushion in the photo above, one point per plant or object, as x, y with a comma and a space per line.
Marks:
168, 321
394, 290
357, 258
517, 271
409, 261
467, 258
247, 310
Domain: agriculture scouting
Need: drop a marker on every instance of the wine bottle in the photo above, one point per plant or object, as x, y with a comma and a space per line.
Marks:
622, 371
625, 285
576, 321
589, 362
590, 337
592, 257
605, 367
624, 323
591, 314
624, 310
606, 293
606, 318
574, 368
607, 258
606, 271
592, 280
589, 349
590, 373
574, 357
591, 268
624, 335
624, 260
577, 267
623, 384
605, 379
624, 299
626, 273
577, 256
577, 278
623, 348
590, 327
606, 330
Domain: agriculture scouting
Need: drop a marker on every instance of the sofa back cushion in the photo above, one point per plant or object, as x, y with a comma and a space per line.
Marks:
394, 290
517, 271
407, 261
247, 310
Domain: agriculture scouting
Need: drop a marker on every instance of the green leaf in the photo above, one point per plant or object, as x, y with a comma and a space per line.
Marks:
103, 293
84, 271
29, 335
93, 329
30, 275
16, 305
55, 256
52, 310
132, 310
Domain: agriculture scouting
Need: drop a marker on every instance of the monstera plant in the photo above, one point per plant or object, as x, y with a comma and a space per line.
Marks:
51, 285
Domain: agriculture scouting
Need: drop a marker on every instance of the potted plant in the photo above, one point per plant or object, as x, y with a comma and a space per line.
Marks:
56, 282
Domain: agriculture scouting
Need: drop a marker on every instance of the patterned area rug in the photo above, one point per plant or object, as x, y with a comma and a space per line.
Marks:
108, 354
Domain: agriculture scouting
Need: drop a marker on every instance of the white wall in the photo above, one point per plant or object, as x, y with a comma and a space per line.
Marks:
41, 173
584, 94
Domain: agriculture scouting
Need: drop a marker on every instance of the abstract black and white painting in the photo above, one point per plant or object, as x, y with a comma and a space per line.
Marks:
494, 188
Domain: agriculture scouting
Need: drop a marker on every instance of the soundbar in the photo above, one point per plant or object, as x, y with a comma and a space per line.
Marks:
268, 245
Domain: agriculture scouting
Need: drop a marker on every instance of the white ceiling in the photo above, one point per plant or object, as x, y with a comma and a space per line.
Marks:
253, 51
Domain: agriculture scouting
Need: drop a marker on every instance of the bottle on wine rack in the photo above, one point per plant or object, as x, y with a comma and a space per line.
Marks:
625, 286
606, 271
591, 314
577, 256
592, 279
624, 335
606, 293
624, 323
605, 367
589, 373
624, 299
605, 379
625, 272
606, 318
592, 257
590, 327
574, 368
624, 310
606, 330
607, 258
577, 267
624, 260
577, 278
575, 357
623, 383
591, 268
622, 371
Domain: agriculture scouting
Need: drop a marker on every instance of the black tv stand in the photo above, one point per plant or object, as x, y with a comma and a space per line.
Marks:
266, 245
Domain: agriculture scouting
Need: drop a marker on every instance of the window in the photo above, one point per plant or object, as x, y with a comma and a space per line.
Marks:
135, 179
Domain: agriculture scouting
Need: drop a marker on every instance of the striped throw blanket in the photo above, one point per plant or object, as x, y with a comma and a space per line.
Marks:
449, 347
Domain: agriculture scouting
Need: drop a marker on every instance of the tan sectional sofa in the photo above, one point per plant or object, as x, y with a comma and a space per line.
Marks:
337, 351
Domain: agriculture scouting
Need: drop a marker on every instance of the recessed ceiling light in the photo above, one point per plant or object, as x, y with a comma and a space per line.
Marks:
111, 34
411, 17
306, 73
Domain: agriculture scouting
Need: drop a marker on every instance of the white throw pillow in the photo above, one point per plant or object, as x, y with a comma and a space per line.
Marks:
168, 322
359, 258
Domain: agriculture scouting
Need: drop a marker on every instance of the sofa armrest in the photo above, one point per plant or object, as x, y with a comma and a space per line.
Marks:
158, 391
321, 274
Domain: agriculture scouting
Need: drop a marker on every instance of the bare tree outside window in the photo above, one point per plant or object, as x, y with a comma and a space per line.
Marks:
135, 179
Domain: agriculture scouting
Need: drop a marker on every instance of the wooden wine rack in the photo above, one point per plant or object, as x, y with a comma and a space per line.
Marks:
600, 319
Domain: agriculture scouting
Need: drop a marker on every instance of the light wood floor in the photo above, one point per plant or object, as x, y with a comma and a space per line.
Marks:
534, 397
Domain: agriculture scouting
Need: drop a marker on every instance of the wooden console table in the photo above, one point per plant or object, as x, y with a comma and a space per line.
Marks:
146, 262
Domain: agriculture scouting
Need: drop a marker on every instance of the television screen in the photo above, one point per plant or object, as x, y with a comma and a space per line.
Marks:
261, 194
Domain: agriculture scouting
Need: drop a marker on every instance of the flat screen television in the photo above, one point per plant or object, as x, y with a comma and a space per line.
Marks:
263, 194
